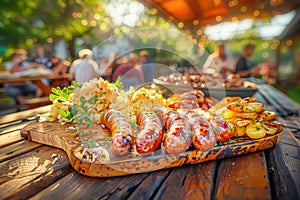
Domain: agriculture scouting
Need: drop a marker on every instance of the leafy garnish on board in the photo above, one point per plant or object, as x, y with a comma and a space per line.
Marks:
61, 95
84, 111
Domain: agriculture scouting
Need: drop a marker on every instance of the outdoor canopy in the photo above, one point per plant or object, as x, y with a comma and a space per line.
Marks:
193, 14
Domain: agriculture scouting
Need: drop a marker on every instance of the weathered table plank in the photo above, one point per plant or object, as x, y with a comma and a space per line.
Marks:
14, 127
77, 186
25, 175
24, 115
10, 138
17, 149
243, 177
148, 188
189, 182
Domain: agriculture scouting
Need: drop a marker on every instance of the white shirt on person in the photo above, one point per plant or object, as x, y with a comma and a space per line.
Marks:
84, 70
216, 63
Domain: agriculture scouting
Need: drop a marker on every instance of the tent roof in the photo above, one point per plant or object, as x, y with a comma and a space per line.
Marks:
200, 13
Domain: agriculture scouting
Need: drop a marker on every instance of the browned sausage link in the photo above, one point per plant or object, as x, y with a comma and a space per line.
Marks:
194, 95
121, 131
151, 132
204, 137
178, 138
221, 128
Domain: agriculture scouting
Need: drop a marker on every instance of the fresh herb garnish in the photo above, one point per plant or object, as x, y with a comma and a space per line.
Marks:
118, 83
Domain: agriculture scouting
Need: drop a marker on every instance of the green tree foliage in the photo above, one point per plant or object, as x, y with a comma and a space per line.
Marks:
24, 23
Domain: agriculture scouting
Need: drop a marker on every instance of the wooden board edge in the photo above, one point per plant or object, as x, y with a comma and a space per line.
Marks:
150, 163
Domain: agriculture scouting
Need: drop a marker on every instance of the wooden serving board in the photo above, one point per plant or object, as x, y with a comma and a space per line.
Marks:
100, 162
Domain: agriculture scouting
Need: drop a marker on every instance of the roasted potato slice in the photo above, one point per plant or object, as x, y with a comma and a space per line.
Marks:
250, 99
274, 123
242, 122
246, 107
245, 115
256, 130
223, 103
271, 130
267, 116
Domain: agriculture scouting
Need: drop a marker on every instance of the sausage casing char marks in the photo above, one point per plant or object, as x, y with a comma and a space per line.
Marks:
151, 132
204, 137
121, 131
178, 137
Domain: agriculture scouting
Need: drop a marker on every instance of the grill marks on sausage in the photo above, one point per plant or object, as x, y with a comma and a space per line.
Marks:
121, 131
204, 137
179, 135
151, 132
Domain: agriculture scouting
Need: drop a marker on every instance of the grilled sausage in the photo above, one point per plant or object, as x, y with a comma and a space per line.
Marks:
178, 137
221, 128
204, 137
151, 132
121, 131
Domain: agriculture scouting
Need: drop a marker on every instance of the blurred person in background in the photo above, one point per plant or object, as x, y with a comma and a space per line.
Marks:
84, 68
40, 56
268, 72
244, 67
121, 67
19, 91
219, 61
129, 71
147, 66
58, 66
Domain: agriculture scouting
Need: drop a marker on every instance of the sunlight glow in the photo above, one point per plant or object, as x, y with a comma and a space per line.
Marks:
123, 12
225, 30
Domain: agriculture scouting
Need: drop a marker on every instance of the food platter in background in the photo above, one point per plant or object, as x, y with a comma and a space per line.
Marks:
215, 87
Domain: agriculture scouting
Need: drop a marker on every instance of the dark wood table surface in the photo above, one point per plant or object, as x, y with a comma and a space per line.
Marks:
36, 171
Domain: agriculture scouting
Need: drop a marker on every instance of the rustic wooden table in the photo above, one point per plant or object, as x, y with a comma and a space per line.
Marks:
36, 171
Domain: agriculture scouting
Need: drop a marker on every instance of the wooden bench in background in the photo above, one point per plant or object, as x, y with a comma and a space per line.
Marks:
37, 102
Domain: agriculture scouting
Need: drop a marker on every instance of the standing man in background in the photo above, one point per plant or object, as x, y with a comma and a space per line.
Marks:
244, 67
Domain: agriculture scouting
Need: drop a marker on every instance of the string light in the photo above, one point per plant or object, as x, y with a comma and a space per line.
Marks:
199, 32
289, 42
233, 3
265, 54
106, 19
234, 19
243, 9
116, 30
256, 13
180, 25
103, 26
50, 40
187, 31
265, 45
84, 22
93, 23
154, 11
96, 16
195, 22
